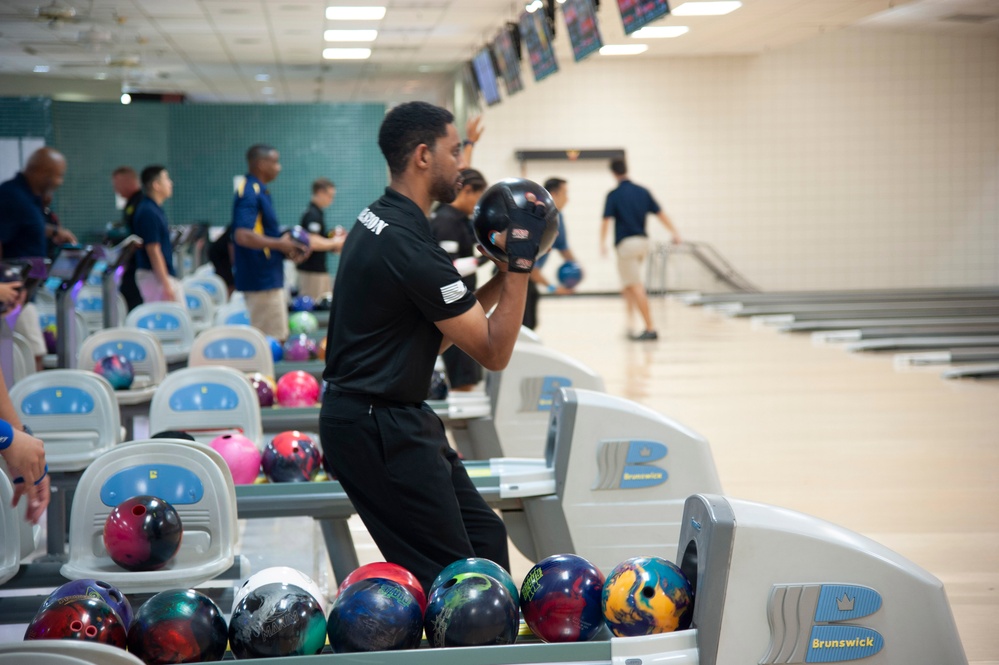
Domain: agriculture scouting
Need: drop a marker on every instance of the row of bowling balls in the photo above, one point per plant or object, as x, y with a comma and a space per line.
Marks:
299, 347
474, 602
290, 457
293, 389
308, 303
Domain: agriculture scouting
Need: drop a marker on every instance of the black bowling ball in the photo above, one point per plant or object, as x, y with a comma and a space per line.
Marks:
491, 214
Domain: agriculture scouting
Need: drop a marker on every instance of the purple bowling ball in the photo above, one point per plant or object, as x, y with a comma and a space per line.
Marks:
117, 370
300, 235
300, 348
264, 387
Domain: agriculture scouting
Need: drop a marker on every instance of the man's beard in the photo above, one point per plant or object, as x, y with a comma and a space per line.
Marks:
443, 190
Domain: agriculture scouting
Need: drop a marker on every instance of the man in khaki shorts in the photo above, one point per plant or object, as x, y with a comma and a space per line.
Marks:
627, 206
259, 246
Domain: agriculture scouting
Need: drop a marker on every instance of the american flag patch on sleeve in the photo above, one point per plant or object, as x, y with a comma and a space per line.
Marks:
453, 292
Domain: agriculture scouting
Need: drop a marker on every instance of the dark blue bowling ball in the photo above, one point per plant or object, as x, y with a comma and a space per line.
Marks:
303, 304
88, 588
375, 614
561, 599
570, 274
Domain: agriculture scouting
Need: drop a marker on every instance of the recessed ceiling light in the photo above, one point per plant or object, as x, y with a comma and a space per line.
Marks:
355, 13
712, 8
623, 49
262, 77
661, 31
126, 98
346, 53
350, 35
41, 69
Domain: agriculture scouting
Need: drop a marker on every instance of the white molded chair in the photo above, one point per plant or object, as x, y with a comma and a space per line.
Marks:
90, 304
200, 306
232, 314
243, 348
192, 477
64, 652
47, 315
206, 402
24, 358
143, 350
10, 531
171, 324
73, 411
210, 282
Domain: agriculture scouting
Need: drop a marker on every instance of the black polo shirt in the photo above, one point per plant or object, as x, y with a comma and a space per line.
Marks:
128, 212
394, 281
314, 221
448, 224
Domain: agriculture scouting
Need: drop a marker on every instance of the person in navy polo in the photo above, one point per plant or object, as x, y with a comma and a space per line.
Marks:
260, 247
154, 272
23, 228
628, 206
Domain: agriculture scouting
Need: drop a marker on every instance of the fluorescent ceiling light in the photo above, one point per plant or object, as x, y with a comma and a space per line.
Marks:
713, 8
346, 53
41, 69
534, 6
660, 32
355, 13
350, 35
623, 49
263, 77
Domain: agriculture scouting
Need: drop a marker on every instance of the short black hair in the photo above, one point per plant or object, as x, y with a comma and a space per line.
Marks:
618, 166
258, 151
406, 127
554, 184
321, 185
173, 434
151, 173
474, 179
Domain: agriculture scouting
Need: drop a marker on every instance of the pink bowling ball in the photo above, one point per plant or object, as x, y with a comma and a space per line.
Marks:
297, 389
241, 455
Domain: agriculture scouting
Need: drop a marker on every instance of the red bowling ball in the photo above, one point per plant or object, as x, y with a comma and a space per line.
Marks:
291, 457
388, 571
142, 533
297, 389
76, 618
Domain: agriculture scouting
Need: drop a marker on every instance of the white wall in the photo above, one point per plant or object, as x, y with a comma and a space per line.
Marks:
859, 159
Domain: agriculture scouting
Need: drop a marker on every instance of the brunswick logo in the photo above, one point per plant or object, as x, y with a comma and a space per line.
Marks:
537, 393
807, 623
627, 465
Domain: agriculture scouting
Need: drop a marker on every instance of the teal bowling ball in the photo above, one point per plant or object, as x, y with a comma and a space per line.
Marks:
178, 626
117, 370
469, 610
477, 565
645, 596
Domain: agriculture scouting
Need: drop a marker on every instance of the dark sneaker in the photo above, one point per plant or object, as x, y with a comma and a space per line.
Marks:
647, 336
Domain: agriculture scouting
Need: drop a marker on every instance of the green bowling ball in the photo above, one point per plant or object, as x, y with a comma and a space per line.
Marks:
302, 322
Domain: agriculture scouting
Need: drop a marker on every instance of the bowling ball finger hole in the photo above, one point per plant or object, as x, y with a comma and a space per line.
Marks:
648, 592
450, 583
76, 626
91, 631
138, 511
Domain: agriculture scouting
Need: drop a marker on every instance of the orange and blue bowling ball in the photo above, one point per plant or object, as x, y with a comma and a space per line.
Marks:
143, 533
117, 370
178, 626
470, 610
375, 614
276, 620
560, 598
647, 595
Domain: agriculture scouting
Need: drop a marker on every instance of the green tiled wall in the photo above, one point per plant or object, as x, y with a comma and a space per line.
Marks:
25, 116
203, 146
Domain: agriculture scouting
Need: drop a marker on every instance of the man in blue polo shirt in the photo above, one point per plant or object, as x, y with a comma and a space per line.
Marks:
259, 246
23, 228
559, 189
627, 206
154, 271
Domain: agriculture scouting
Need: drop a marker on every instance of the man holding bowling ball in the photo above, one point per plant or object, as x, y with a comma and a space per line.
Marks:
399, 302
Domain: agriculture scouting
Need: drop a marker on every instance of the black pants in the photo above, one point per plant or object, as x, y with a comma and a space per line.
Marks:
408, 486
129, 289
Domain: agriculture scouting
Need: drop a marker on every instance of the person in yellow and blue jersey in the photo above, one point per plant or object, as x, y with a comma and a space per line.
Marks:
259, 246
